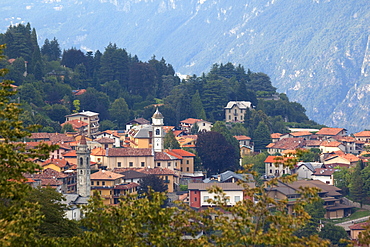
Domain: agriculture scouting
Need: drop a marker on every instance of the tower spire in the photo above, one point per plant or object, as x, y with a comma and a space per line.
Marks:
83, 168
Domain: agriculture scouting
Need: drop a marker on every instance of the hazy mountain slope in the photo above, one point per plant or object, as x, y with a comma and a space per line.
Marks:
315, 51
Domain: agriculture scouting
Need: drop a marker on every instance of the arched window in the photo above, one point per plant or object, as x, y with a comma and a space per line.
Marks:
157, 132
81, 161
87, 161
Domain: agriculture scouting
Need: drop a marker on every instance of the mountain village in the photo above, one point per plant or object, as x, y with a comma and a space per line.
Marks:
113, 162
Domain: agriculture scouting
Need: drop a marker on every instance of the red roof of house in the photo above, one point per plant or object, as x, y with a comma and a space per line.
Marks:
330, 144
182, 153
300, 133
242, 137
324, 171
359, 226
275, 159
276, 135
105, 175
58, 162
190, 121
365, 133
329, 131
105, 140
157, 171
80, 92
98, 151
289, 143
71, 153
126, 186
177, 132
128, 152
162, 156
76, 124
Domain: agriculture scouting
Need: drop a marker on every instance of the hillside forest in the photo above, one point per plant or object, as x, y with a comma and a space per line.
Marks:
52, 83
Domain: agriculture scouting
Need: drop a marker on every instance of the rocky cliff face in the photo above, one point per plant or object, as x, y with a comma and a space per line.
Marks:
316, 51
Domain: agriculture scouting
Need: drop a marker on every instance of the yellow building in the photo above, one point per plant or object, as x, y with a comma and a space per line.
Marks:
103, 182
141, 136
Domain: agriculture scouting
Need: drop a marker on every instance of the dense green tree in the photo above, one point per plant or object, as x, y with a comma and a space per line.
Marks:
197, 106
342, 179
356, 190
57, 112
107, 125
214, 99
53, 223
258, 162
216, 153
18, 217
119, 112
73, 57
170, 141
67, 128
28, 93
114, 65
261, 137
238, 129
93, 100
335, 234
151, 182
51, 50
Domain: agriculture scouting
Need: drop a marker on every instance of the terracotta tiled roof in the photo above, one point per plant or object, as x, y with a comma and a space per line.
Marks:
40, 135
177, 132
242, 138
359, 226
58, 162
105, 175
47, 173
126, 186
157, 171
128, 152
76, 124
50, 182
365, 133
182, 153
57, 138
313, 143
71, 153
105, 140
190, 121
349, 157
289, 143
330, 144
276, 135
64, 146
300, 133
34, 144
329, 131
274, 159
272, 144
162, 156
130, 173
79, 92
98, 151
324, 171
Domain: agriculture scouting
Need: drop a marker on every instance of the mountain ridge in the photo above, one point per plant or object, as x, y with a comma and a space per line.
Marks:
314, 51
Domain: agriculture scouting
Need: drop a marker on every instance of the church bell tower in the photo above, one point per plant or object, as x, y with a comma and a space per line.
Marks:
158, 135
83, 168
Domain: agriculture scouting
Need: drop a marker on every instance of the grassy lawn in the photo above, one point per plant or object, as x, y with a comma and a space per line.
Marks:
359, 213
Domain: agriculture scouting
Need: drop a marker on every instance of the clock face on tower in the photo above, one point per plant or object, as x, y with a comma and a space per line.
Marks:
157, 142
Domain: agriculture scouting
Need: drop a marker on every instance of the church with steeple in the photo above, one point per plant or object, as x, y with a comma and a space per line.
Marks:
83, 168
158, 133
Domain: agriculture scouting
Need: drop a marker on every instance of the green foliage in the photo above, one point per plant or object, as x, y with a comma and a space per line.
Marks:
18, 218
258, 162
170, 141
151, 182
335, 234
67, 128
356, 189
119, 112
216, 153
261, 137
53, 223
